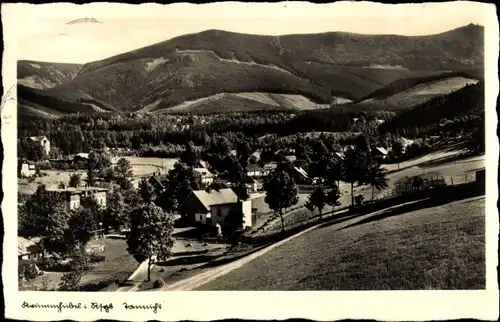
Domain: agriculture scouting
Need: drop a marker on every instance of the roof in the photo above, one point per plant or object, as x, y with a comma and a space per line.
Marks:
270, 166
158, 179
256, 154
79, 190
37, 138
291, 158
27, 246
301, 171
203, 171
381, 150
223, 196
406, 141
27, 162
82, 155
251, 167
339, 155
203, 164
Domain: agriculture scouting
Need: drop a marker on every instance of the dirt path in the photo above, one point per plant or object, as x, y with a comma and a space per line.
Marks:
205, 277
136, 279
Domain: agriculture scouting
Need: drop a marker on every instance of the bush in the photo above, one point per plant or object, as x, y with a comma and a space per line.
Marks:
96, 258
159, 283
359, 200
27, 272
45, 166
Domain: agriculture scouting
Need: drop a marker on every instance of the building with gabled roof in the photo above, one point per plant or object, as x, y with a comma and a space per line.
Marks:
72, 196
207, 177
43, 141
300, 175
196, 207
26, 168
28, 249
158, 181
254, 170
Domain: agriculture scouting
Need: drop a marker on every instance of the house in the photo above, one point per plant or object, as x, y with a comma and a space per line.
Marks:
26, 168
300, 175
196, 207
158, 181
72, 196
42, 141
268, 168
201, 164
80, 159
81, 156
380, 152
28, 250
405, 142
219, 212
338, 156
252, 185
256, 156
206, 176
291, 158
254, 170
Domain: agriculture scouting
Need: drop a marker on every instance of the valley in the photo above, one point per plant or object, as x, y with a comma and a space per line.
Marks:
220, 160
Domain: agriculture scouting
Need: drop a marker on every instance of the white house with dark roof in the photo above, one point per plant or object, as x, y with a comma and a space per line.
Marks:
381, 152
26, 168
202, 207
206, 176
72, 196
254, 170
42, 141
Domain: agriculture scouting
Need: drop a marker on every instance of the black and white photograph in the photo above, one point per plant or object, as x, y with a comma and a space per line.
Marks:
188, 149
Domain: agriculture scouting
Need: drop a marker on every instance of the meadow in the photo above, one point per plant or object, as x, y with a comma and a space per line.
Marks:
406, 247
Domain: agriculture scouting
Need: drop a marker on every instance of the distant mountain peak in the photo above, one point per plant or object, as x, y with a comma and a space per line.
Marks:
84, 20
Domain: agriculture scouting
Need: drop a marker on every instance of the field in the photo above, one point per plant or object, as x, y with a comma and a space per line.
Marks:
242, 102
141, 167
420, 93
412, 246
50, 180
147, 166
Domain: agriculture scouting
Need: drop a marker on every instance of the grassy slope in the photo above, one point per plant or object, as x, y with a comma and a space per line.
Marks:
440, 247
31, 99
243, 102
43, 75
466, 101
312, 65
401, 85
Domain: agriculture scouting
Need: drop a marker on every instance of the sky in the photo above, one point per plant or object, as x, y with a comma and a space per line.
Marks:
42, 32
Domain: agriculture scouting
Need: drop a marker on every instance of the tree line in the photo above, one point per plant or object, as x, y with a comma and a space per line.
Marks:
165, 135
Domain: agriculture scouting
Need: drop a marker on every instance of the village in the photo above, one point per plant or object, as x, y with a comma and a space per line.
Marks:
212, 211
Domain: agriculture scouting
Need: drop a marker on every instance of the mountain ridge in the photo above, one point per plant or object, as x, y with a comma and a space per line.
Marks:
316, 66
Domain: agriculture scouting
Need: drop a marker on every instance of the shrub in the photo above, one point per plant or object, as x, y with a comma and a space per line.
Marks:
96, 258
159, 283
45, 166
27, 272
359, 200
